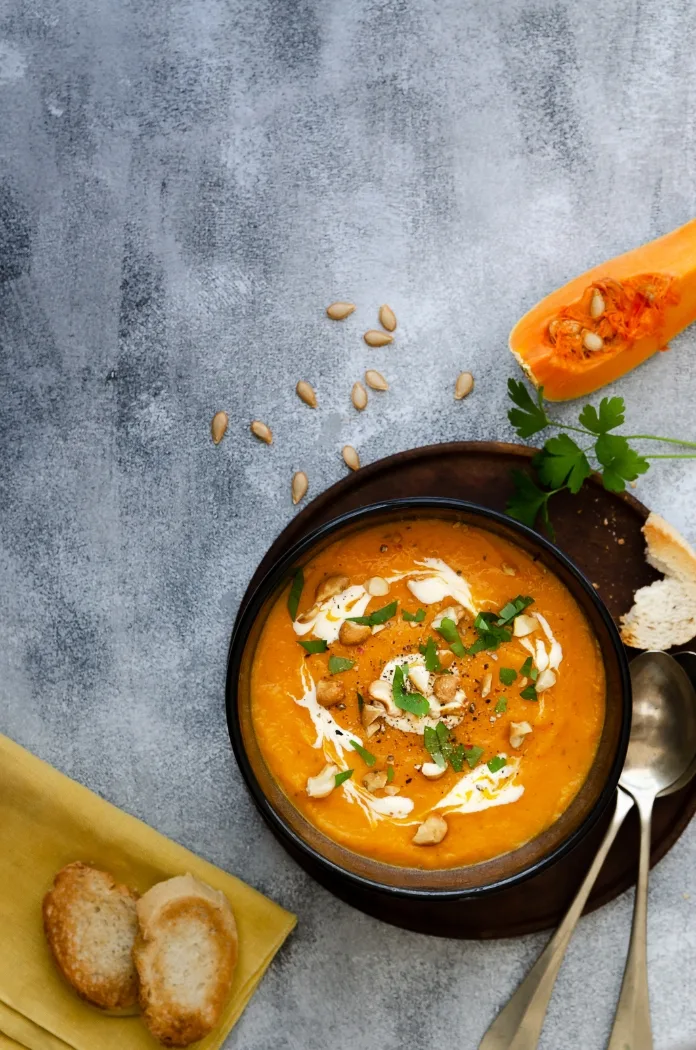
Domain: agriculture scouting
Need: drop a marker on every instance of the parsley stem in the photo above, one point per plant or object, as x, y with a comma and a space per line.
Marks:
567, 426
674, 455
653, 437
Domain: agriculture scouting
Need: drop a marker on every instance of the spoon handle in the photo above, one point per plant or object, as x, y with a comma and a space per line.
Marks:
518, 1025
632, 1029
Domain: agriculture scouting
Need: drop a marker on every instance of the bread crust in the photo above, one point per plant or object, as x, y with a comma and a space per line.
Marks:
668, 551
185, 954
90, 923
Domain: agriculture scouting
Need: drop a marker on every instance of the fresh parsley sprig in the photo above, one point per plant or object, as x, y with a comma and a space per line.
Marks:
563, 463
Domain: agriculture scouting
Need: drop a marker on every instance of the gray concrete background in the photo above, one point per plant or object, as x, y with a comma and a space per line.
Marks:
183, 189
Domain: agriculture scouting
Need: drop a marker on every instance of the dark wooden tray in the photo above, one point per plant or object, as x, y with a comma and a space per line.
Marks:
601, 533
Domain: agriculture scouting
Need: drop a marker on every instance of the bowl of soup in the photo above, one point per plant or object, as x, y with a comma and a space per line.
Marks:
427, 698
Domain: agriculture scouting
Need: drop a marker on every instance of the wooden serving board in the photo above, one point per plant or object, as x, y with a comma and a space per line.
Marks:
601, 532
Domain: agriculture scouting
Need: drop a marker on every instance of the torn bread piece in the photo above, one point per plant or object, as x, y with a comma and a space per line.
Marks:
185, 955
664, 613
90, 923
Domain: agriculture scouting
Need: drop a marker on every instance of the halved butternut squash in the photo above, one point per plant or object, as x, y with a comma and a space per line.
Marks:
611, 318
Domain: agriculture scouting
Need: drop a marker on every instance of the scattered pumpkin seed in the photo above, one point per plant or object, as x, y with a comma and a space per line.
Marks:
387, 318
358, 396
218, 427
375, 338
375, 380
260, 430
463, 386
306, 393
339, 311
351, 457
299, 487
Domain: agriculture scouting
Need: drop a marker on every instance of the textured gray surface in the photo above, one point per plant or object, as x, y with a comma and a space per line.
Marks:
183, 188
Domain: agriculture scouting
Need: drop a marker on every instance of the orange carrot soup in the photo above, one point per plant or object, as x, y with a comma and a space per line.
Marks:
437, 699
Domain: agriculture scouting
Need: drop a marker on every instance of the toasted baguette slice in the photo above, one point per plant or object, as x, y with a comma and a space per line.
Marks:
185, 954
668, 551
91, 923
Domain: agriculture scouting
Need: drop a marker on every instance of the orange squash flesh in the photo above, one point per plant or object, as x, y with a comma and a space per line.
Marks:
648, 295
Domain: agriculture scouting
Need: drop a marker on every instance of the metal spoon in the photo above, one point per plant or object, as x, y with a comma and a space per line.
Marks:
660, 752
662, 748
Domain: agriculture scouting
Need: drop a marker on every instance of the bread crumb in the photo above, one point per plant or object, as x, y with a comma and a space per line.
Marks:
621, 542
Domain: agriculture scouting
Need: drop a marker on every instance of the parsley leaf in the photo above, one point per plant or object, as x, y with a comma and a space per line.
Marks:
457, 757
448, 630
361, 702
501, 706
368, 758
529, 693
318, 645
528, 418
513, 608
377, 617
431, 742
341, 777
490, 635
621, 463
610, 415
416, 617
529, 502
412, 702
496, 763
472, 755
507, 675
442, 748
390, 774
528, 670
339, 663
562, 462
295, 593
432, 660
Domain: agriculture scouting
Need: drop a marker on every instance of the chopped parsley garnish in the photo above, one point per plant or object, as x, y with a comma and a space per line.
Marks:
528, 670
361, 702
496, 763
341, 777
339, 663
318, 645
529, 693
390, 774
367, 756
448, 630
432, 660
442, 748
412, 702
473, 755
508, 613
295, 593
375, 618
416, 617
490, 634
507, 675
501, 706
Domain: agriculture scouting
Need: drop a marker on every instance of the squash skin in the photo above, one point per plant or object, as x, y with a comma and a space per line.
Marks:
673, 255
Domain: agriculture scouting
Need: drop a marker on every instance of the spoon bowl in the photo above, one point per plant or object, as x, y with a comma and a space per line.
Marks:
663, 732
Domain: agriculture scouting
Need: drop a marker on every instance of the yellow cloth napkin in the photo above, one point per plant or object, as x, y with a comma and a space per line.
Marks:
47, 821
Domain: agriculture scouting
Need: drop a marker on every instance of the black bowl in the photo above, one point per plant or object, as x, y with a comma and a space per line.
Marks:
346, 872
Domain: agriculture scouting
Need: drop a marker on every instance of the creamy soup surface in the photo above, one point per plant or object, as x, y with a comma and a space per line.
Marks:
454, 725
